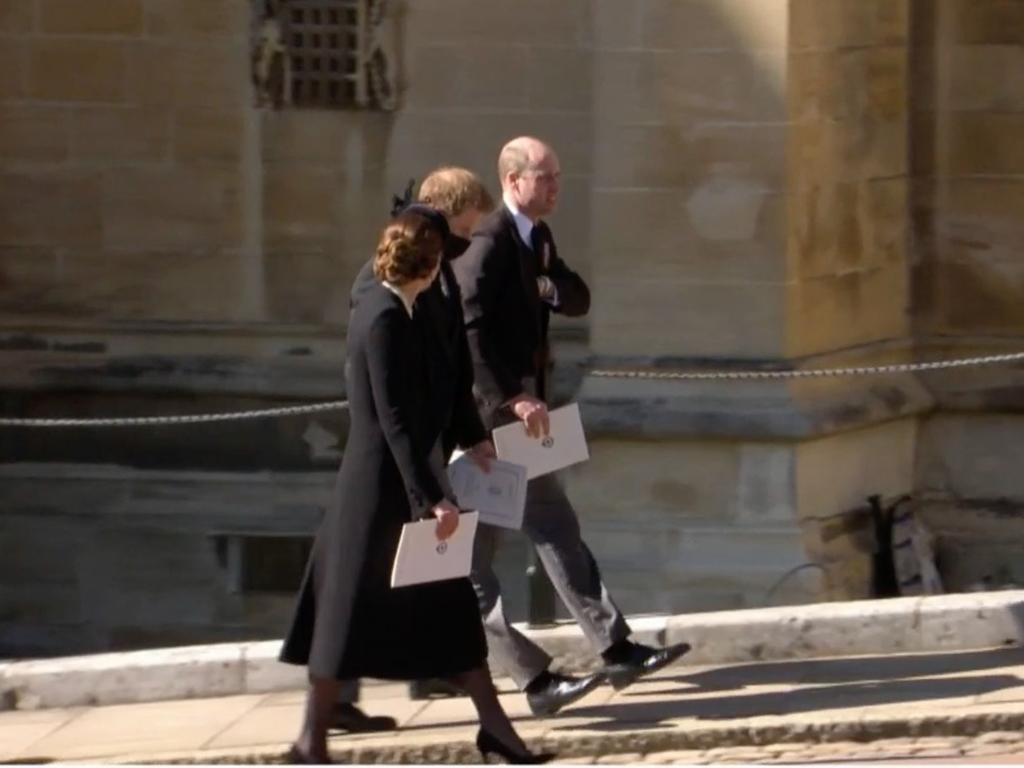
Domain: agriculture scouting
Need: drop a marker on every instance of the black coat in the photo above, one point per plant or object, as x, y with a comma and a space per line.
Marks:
506, 320
438, 316
348, 621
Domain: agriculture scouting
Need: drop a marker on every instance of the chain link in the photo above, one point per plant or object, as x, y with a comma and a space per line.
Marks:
870, 370
199, 418
337, 405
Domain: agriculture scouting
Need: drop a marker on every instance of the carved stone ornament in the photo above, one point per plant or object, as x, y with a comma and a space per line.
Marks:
271, 64
381, 56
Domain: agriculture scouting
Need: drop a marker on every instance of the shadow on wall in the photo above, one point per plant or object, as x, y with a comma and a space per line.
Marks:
968, 195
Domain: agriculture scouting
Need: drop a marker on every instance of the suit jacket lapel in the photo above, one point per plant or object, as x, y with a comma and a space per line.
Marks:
527, 268
435, 305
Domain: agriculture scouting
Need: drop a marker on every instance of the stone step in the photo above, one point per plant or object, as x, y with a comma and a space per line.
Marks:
901, 625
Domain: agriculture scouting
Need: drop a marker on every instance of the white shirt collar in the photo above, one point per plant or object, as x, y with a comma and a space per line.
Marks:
400, 295
523, 223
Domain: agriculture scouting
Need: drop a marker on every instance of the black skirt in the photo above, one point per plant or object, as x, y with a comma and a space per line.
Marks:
413, 632
402, 633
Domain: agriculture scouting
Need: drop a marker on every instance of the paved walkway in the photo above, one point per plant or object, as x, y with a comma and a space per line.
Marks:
995, 747
819, 710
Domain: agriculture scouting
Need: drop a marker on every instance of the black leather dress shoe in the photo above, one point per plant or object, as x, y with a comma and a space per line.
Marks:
561, 691
643, 660
349, 717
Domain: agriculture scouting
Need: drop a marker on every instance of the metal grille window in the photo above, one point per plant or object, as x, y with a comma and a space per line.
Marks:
324, 54
325, 42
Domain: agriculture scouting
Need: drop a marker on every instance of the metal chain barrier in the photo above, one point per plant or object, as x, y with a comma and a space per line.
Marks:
869, 370
337, 405
162, 421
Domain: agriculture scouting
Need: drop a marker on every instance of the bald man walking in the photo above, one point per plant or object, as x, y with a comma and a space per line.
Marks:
512, 279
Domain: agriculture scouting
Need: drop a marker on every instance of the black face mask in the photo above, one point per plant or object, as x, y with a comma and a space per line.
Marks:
455, 246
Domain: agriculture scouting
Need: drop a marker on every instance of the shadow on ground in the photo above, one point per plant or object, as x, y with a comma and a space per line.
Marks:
829, 684
853, 669
824, 684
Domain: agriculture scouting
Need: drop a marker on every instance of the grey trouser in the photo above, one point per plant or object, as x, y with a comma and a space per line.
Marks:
550, 523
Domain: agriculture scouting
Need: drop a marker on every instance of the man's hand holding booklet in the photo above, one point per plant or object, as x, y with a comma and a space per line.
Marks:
564, 445
422, 557
497, 495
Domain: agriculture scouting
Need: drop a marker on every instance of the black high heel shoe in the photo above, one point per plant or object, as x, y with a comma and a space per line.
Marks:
488, 744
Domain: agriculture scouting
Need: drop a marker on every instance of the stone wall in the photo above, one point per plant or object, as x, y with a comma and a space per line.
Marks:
689, 185
167, 248
688, 242
969, 168
848, 175
121, 140
142, 187
791, 251
847, 259
746, 183
968, 273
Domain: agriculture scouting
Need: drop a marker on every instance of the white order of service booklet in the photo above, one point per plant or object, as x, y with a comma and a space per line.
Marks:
499, 495
564, 445
422, 558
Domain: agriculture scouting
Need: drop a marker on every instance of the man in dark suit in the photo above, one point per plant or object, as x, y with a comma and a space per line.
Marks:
455, 199
459, 196
512, 279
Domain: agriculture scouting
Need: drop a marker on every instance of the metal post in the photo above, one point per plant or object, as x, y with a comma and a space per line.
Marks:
540, 594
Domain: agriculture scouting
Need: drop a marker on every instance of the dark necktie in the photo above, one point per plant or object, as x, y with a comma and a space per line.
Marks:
537, 244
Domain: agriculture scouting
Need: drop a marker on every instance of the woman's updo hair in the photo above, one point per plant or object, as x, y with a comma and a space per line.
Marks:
409, 249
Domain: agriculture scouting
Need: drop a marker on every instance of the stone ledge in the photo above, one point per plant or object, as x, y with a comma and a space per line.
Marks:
778, 410
798, 409
255, 361
258, 360
917, 624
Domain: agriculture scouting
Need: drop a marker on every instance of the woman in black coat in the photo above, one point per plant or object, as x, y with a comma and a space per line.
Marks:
349, 622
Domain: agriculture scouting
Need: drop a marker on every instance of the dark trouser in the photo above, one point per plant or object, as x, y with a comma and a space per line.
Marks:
349, 692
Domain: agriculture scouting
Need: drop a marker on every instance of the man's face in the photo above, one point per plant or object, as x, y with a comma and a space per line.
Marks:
465, 223
536, 188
